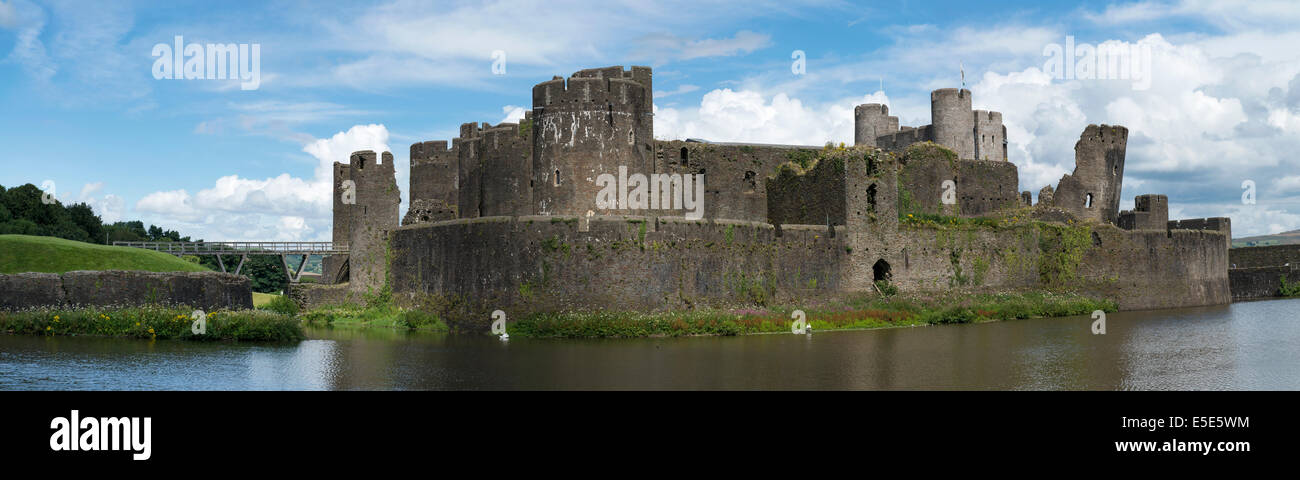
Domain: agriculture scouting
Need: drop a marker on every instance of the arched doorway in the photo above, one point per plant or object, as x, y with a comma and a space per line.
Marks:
880, 271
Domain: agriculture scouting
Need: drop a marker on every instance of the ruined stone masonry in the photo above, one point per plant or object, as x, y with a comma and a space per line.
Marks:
118, 288
506, 218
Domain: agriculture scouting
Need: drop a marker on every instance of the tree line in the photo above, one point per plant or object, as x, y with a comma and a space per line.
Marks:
22, 212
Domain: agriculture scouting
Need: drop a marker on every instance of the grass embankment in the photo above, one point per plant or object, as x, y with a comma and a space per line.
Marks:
374, 316
862, 313
152, 322
24, 253
262, 300
378, 311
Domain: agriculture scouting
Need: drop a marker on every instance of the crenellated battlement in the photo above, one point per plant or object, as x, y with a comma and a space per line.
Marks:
362, 160
505, 136
581, 93
871, 109
432, 152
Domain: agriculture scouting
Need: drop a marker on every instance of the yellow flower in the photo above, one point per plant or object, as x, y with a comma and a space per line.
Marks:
137, 324
150, 330
47, 328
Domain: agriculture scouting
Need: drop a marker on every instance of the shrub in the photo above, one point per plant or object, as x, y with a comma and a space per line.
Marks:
153, 322
283, 305
1289, 289
414, 319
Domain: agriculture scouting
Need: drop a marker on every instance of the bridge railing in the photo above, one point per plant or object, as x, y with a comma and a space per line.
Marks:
240, 248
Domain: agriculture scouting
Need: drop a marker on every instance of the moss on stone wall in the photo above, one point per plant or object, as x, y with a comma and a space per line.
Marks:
930, 151
1061, 251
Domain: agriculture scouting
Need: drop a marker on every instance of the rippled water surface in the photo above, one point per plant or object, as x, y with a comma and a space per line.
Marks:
1253, 345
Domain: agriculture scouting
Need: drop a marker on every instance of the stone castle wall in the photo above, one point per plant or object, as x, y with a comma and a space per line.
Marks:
471, 267
1268, 256
433, 192
734, 175
1252, 283
117, 288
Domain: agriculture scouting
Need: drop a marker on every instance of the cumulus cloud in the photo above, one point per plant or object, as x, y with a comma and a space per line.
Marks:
725, 115
283, 207
109, 207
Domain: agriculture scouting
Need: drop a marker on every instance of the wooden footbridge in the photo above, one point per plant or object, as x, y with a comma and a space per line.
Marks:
243, 249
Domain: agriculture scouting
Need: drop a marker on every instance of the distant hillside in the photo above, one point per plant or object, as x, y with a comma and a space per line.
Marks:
24, 253
1284, 238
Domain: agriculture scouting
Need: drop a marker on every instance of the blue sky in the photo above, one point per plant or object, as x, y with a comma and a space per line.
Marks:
83, 109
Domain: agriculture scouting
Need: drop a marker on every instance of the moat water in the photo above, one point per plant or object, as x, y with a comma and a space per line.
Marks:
1253, 345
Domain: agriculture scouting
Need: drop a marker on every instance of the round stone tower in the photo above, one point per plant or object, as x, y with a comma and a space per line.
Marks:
597, 121
870, 121
952, 122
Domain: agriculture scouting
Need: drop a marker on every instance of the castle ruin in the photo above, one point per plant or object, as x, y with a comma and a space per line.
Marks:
510, 217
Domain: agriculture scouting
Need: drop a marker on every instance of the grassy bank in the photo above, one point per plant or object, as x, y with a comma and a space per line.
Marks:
153, 322
385, 316
859, 313
24, 253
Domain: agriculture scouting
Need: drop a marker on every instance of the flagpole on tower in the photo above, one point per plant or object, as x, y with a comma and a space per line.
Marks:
961, 66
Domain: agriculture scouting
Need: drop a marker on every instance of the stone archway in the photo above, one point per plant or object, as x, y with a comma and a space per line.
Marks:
880, 271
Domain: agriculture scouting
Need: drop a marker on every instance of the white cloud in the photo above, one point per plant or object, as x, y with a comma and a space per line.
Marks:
109, 207
514, 114
172, 204
283, 207
747, 116
89, 190
1289, 184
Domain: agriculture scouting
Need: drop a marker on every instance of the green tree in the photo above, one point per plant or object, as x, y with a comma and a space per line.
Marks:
84, 218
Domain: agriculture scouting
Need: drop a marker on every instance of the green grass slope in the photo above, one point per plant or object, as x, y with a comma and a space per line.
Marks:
24, 253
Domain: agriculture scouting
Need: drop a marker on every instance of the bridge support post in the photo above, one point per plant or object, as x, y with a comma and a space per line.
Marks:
242, 258
293, 275
221, 264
